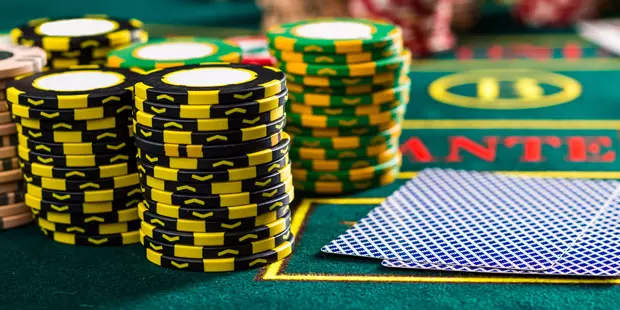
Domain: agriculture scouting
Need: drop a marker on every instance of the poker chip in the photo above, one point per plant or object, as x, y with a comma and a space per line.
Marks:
340, 187
71, 161
190, 251
79, 40
222, 213
211, 138
211, 226
212, 156
14, 61
173, 52
125, 215
348, 91
217, 83
93, 240
89, 173
256, 107
71, 114
83, 196
219, 238
334, 36
213, 176
208, 151
216, 188
210, 164
93, 229
78, 185
213, 124
279, 252
79, 208
87, 148
370, 68
105, 135
217, 201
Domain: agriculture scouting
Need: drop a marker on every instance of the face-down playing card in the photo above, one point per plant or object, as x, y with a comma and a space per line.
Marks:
477, 219
596, 253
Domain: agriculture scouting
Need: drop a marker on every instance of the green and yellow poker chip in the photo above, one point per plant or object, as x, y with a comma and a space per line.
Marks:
341, 81
341, 187
334, 36
331, 165
322, 121
348, 142
173, 52
392, 64
306, 153
353, 175
333, 59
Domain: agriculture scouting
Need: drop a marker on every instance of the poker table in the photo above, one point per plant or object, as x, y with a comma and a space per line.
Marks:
526, 104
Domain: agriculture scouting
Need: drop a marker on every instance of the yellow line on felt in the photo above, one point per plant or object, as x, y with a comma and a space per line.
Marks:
547, 174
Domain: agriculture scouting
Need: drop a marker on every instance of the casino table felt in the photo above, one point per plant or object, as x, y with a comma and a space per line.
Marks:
573, 138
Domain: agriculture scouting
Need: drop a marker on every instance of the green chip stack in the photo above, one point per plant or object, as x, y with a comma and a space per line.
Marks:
76, 153
214, 167
81, 40
348, 91
174, 52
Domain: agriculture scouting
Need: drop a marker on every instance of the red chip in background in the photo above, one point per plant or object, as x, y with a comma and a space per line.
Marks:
255, 50
555, 13
426, 24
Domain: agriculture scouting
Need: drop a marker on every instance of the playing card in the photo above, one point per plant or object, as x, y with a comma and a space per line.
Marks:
603, 32
476, 219
596, 253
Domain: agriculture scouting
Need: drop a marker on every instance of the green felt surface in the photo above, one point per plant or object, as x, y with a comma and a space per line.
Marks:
571, 138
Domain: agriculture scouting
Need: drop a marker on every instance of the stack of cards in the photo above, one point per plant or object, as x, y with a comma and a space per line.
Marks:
483, 222
602, 32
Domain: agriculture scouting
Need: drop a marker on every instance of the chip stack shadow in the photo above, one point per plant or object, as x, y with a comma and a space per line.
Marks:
14, 61
84, 40
348, 90
76, 153
214, 167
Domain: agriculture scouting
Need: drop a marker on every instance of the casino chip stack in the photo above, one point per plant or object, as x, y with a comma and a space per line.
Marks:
76, 153
173, 52
79, 40
14, 60
348, 90
214, 167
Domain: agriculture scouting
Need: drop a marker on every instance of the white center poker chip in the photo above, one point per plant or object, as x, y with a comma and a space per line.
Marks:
73, 81
335, 30
175, 51
209, 77
78, 27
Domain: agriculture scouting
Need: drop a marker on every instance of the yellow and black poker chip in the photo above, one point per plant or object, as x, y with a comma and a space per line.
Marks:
84, 208
85, 196
223, 264
68, 185
121, 133
210, 138
217, 201
239, 161
92, 173
81, 87
107, 123
212, 124
124, 215
227, 213
89, 229
208, 151
86, 148
217, 238
210, 226
69, 115
73, 160
212, 176
193, 251
93, 240
211, 83
218, 188
241, 109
